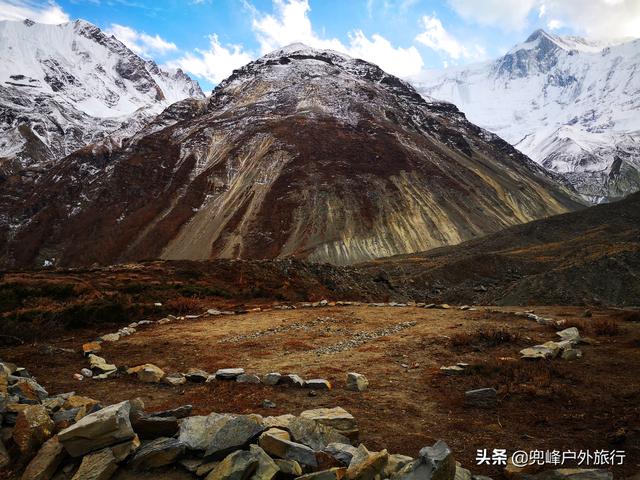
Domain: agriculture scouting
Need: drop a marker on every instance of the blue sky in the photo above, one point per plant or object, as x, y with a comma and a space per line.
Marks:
209, 38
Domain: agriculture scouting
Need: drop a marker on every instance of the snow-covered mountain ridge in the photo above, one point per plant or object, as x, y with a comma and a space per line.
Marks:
65, 86
568, 103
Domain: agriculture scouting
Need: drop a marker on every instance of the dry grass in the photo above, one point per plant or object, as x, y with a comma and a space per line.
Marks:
601, 327
628, 316
531, 379
184, 305
486, 337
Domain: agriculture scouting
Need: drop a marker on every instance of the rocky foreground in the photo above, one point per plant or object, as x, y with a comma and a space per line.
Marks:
67, 436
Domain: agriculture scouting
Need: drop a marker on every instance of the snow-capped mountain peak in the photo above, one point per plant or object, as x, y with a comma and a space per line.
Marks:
569, 103
64, 86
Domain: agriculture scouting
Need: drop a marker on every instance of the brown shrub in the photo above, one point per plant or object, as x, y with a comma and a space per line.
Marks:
605, 327
533, 379
484, 338
183, 305
628, 316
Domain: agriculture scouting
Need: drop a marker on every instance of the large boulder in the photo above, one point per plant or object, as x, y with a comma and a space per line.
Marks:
46, 462
157, 453
337, 418
276, 445
197, 432
240, 465
148, 373
105, 427
433, 463
100, 465
229, 373
234, 435
33, 427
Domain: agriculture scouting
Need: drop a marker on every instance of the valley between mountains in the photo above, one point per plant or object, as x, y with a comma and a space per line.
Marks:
320, 271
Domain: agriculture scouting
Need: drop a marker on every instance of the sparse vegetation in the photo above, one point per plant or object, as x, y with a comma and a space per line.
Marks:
484, 337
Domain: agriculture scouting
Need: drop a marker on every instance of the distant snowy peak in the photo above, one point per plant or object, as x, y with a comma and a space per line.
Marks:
569, 103
93, 71
65, 86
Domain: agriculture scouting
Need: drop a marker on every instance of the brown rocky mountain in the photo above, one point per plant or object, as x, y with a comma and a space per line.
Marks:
301, 153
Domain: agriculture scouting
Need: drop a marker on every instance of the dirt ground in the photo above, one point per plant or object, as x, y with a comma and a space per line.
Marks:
591, 403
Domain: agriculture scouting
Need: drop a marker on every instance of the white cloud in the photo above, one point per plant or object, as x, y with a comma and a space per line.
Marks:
554, 24
214, 64
41, 12
403, 62
437, 38
290, 23
597, 18
140, 42
508, 14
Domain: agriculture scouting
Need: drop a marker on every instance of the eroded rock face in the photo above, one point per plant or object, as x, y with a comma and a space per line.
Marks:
33, 427
303, 153
46, 462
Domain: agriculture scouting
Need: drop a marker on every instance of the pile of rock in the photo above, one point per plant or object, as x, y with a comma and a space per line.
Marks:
72, 437
565, 348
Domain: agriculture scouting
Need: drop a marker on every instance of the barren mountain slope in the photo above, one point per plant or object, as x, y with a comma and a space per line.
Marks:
303, 152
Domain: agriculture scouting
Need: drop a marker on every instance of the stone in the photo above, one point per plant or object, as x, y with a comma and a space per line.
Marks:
122, 450
196, 375
319, 384
229, 373
46, 461
536, 352
357, 382
197, 432
103, 428
292, 380
110, 337
513, 472
179, 412
150, 373
571, 354
239, 465
481, 397
366, 465
572, 334
233, 435
395, 463
289, 468
78, 376
335, 473
205, 468
175, 379
271, 378
99, 365
100, 465
248, 378
342, 452
267, 468
452, 370
33, 427
462, 473
91, 347
149, 427
28, 391
337, 418
571, 474
433, 463
266, 403
190, 464
313, 434
83, 404
276, 446
85, 372
65, 418
157, 453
